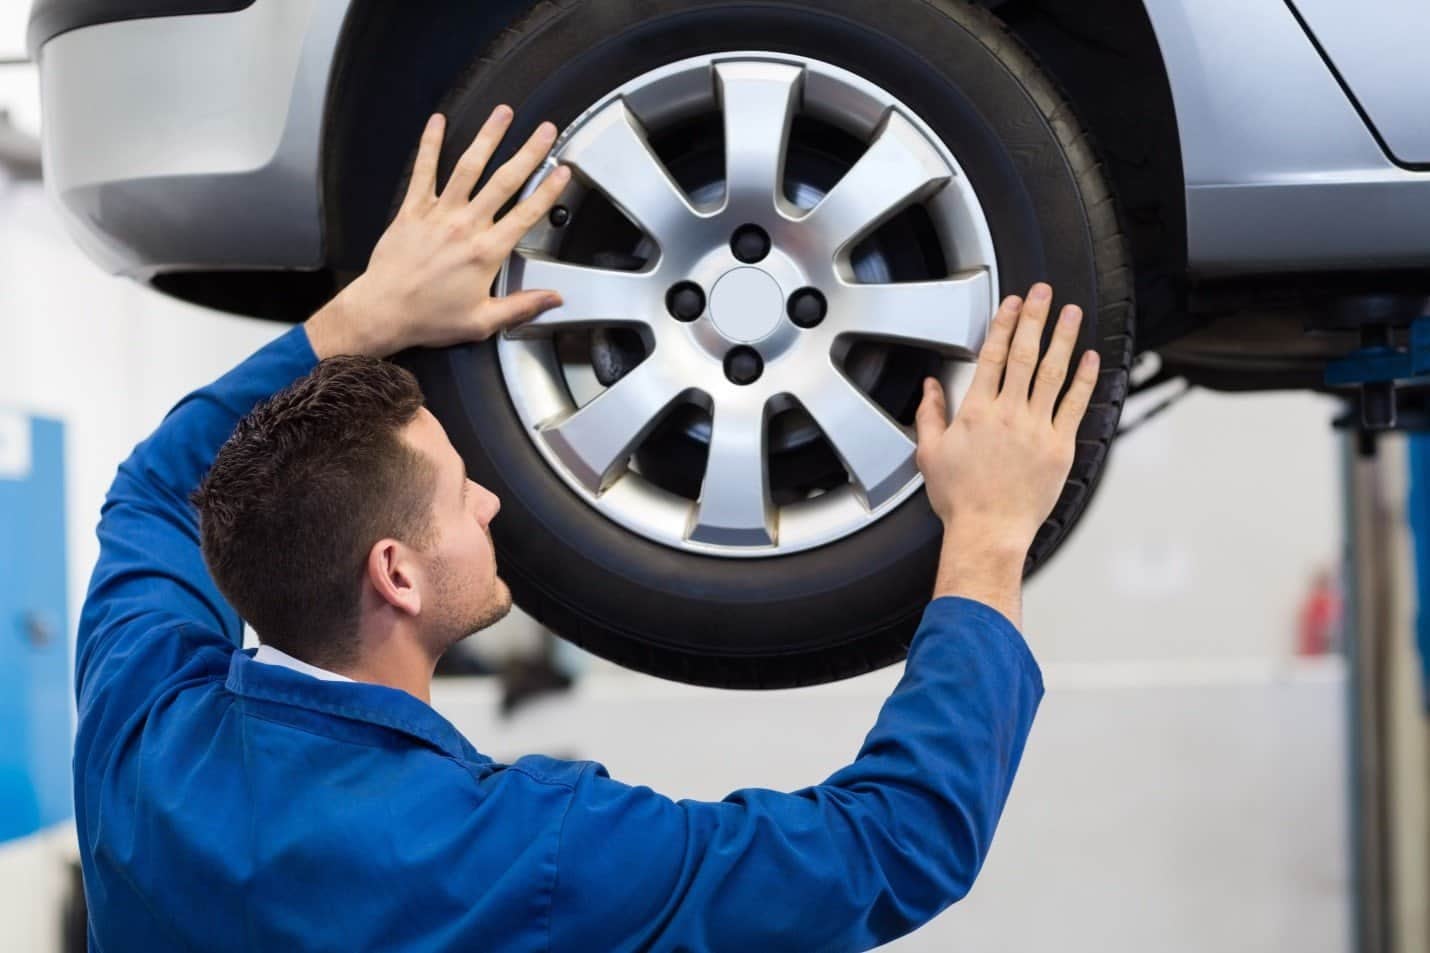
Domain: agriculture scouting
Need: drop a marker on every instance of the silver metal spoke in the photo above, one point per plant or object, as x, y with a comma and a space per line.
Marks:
758, 101
875, 450
590, 296
734, 507
898, 167
950, 315
597, 440
612, 153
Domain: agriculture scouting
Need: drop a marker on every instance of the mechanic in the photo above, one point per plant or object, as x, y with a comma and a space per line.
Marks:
308, 797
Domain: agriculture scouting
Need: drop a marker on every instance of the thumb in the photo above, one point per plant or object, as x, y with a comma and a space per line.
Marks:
517, 308
931, 420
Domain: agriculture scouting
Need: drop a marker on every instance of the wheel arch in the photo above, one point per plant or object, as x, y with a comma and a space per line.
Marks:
395, 63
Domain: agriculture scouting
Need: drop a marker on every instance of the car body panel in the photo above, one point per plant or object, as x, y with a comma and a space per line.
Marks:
1372, 52
201, 148
219, 117
1281, 171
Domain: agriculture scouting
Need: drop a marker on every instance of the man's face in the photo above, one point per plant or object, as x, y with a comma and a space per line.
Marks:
466, 593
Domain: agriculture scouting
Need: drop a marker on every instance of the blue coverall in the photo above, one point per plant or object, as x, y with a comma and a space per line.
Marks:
224, 804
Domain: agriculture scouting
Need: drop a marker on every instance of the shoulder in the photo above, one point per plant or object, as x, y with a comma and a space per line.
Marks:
547, 771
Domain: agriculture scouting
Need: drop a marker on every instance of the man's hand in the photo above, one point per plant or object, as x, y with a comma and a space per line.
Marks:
994, 474
428, 283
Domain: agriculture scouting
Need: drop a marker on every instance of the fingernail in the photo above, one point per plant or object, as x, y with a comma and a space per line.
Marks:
1071, 313
435, 120
553, 301
561, 173
546, 131
1089, 358
1012, 301
502, 113
1041, 292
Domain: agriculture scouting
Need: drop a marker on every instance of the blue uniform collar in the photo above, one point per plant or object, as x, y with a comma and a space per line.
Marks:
359, 702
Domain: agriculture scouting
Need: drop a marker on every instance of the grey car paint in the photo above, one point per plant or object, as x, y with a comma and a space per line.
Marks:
1281, 172
1361, 44
203, 147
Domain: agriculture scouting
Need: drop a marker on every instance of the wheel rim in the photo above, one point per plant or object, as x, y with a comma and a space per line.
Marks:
745, 319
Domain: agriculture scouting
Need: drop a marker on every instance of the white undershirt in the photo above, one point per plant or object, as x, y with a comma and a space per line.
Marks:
268, 655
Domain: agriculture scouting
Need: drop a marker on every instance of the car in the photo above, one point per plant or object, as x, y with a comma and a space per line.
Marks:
784, 214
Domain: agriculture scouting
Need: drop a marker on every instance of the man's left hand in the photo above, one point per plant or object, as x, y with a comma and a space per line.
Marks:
428, 283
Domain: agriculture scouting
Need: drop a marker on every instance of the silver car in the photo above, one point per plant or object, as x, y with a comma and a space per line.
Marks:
785, 213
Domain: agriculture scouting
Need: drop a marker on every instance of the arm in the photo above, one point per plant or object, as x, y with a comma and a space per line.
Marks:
150, 575
888, 842
151, 602
875, 851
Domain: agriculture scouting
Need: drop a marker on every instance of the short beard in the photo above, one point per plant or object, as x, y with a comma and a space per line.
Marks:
455, 617
492, 611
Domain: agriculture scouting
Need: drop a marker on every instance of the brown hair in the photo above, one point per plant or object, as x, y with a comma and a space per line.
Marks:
301, 491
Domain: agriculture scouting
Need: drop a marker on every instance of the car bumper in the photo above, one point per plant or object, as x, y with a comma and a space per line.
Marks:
201, 144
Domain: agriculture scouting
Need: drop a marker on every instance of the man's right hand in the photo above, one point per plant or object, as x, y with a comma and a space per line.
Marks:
994, 473
429, 279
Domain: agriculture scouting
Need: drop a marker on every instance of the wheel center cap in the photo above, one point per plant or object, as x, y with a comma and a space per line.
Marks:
746, 305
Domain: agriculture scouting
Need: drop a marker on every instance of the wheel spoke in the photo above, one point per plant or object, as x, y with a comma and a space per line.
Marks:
734, 507
612, 153
590, 296
758, 100
596, 441
898, 167
950, 315
876, 451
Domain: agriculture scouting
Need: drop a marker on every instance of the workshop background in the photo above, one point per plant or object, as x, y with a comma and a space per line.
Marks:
1189, 784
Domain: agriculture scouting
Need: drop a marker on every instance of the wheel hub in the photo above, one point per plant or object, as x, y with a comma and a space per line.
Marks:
746, 305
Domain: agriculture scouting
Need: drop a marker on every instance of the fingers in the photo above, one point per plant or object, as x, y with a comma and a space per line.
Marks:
422, 186
1027, 341
931, 419
1054, 367
469, 168
498, 314
505, 182
994, 354
530, 210
1075, 401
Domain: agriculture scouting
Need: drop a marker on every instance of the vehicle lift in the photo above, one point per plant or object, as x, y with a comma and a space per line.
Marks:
1386, 513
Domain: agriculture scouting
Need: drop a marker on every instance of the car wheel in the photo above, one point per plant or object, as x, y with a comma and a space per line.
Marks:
783, 216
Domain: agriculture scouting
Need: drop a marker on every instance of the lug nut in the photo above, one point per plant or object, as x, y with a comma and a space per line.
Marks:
750, 243
743, 365
685, 301
559, 216
807, 307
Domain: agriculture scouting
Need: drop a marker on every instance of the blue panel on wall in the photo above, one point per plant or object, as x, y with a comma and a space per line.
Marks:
1419, 506
35, 732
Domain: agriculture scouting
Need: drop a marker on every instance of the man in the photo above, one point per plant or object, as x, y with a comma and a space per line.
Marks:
308, 797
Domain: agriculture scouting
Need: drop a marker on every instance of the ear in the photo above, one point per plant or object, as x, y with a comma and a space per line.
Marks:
393, 574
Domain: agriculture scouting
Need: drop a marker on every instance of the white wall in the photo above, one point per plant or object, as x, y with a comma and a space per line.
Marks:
1202, 538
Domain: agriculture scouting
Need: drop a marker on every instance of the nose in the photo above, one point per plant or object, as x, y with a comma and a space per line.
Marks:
491, 506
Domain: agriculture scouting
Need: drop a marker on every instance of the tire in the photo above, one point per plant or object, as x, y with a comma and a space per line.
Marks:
851, 606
